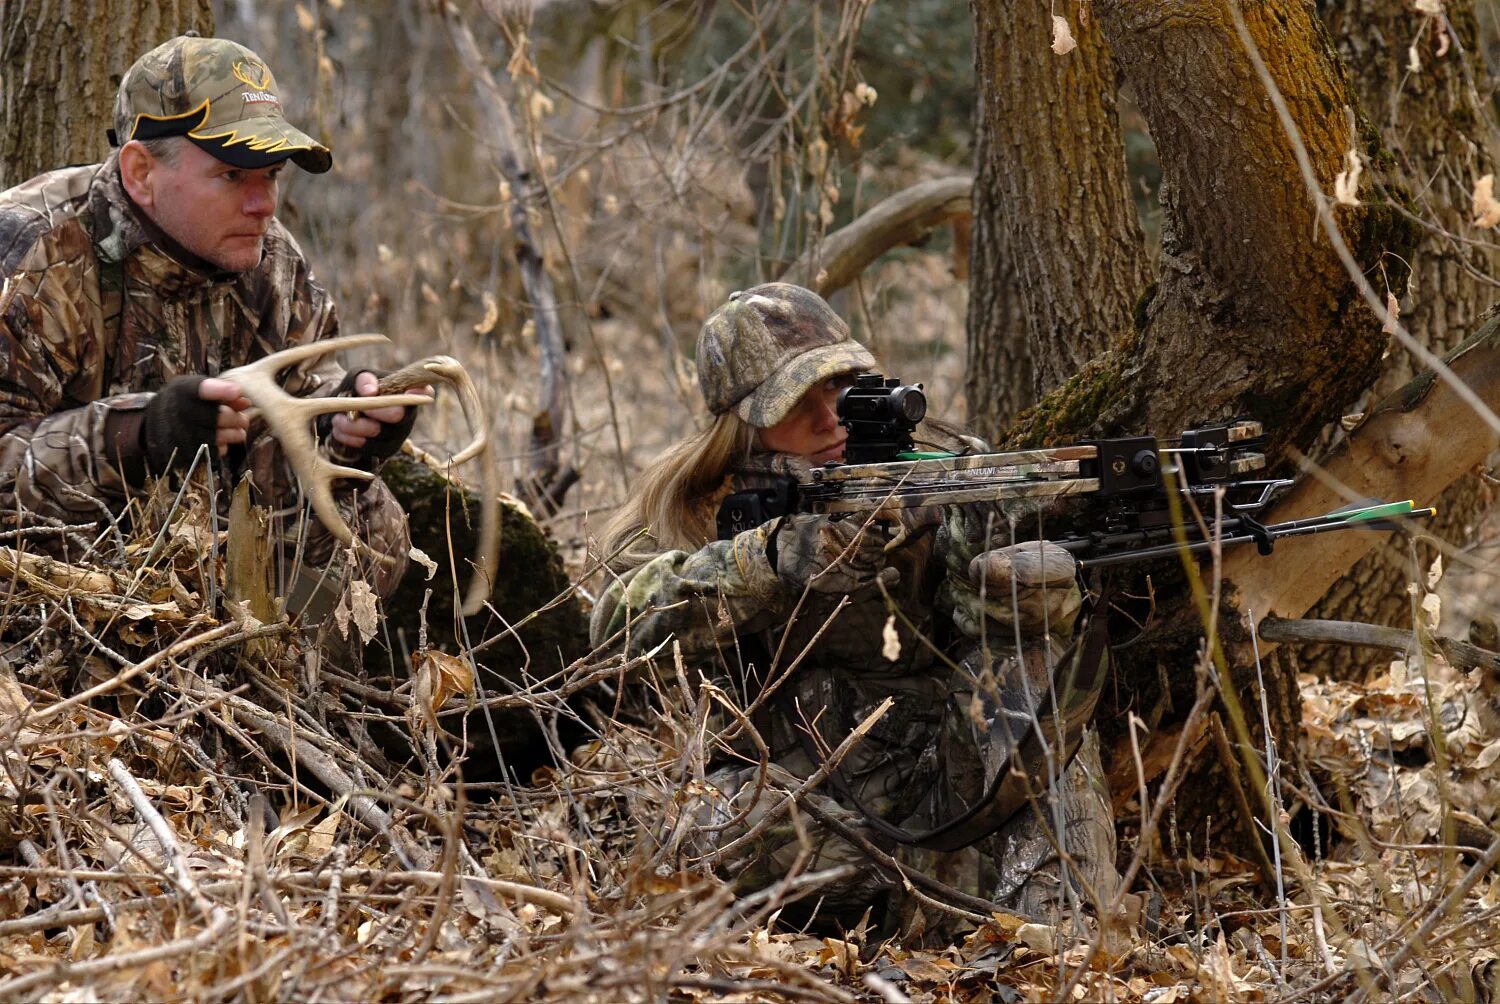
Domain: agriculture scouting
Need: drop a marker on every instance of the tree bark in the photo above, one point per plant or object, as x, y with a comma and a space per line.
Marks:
1429, 123
1058, 259
1253, 313
60, 64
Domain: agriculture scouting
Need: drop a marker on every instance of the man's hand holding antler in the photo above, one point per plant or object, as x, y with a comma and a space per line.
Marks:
190, 412
369, 437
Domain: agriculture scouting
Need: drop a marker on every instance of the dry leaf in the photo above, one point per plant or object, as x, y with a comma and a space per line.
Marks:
341, 616
1392, 314
362, 609
491, 315
865, 93
1432, 7
1062, 36
305, 19
1486, 209
422, 558
1413, 60
1432, 610
1346, 185
520, 64
1443, 42
1037, 937
441, 675
1435, 572
539, 105
890, 646
320, 837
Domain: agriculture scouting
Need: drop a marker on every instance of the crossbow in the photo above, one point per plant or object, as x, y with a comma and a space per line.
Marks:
1141, 495
1125, 480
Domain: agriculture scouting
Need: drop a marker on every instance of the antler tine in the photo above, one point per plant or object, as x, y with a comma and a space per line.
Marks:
290, 421
451, 371
278, 361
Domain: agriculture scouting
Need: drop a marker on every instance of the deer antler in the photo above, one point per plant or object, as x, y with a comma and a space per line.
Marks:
290, 419
451, 371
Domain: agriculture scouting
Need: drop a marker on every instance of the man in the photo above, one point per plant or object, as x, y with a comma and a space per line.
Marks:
129, 284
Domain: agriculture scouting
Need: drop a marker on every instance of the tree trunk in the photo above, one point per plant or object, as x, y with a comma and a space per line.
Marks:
1058, 259
1430, 124
1253, 313
60, 63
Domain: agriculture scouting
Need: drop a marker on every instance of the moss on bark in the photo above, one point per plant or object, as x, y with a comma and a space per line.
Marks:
444, 524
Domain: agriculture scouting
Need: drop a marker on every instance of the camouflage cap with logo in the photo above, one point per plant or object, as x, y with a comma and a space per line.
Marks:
766, 347
218, 94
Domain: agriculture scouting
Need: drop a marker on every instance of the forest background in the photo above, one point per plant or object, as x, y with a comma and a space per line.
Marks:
1076, 193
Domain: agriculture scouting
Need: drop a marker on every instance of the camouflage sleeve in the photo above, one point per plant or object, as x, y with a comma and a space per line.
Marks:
701, 598
55, 451
302, 312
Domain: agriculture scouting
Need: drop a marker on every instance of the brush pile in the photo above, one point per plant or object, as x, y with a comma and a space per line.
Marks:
196, 804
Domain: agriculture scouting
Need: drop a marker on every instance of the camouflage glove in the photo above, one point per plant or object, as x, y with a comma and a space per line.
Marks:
176, 423
823, 554
1032, 585
378, 447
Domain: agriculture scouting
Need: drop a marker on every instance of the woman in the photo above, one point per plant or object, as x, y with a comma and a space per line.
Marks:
812, 621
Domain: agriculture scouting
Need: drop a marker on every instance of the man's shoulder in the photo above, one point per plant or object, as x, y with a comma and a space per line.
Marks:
46, 204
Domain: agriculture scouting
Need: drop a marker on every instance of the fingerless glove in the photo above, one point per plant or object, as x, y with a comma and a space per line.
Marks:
176, 423
378, 447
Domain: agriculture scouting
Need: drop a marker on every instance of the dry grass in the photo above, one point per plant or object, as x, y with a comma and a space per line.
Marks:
214, 822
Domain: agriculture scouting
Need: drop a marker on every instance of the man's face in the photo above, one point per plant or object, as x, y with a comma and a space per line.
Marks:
217, 211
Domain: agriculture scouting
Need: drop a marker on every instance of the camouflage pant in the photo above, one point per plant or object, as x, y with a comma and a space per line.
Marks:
918, 762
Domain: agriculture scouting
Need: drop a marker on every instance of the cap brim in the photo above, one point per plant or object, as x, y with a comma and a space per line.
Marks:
262, 142
774, 399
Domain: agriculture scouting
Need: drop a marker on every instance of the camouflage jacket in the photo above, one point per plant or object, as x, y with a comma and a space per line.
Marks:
98, 309
712, 600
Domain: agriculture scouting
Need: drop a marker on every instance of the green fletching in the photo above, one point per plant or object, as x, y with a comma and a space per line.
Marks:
1376, 512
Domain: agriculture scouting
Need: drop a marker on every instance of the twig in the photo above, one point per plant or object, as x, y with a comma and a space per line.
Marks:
161, 831
1419, 939
23, 987
544, 898
968, 907
1461, 654
830, 763
126, 675
759, 988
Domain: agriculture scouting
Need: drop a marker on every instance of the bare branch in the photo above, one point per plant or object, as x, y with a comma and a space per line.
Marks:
907, 217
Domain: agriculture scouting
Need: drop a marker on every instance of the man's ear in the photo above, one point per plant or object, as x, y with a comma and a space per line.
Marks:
136, 165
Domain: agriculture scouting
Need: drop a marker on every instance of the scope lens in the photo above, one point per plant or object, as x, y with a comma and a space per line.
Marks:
911, 403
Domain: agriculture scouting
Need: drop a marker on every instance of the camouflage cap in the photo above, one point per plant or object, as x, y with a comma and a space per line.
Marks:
766, 347
218, 94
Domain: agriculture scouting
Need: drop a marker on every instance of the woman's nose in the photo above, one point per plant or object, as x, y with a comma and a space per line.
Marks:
828, 414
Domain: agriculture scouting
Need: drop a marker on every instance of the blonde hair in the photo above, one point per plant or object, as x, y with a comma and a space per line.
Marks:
669, 508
